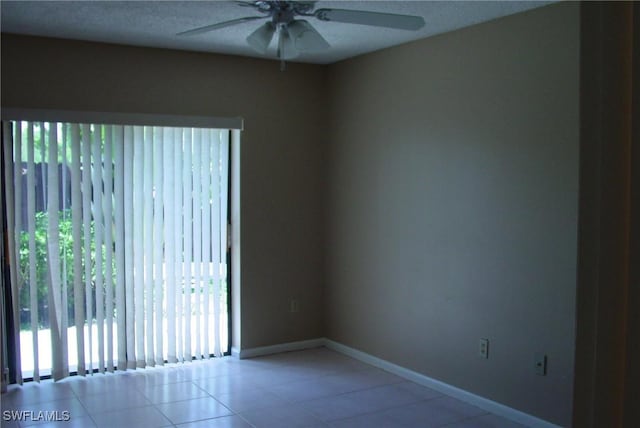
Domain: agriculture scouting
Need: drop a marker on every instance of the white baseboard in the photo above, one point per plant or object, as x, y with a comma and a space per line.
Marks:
452, 391
276, 349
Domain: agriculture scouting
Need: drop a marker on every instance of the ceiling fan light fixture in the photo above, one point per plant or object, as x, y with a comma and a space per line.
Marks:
286, 47
260, 39
305, 37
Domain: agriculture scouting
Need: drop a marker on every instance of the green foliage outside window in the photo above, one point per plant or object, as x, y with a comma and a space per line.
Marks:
41, 279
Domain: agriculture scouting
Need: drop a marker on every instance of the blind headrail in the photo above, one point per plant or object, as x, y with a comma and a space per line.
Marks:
114, 118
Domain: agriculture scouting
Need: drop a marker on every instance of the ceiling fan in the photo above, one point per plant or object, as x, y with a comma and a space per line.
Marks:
297, 35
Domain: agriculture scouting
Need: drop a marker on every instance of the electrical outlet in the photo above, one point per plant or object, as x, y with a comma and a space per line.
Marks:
483, 351
294, 305
540, 364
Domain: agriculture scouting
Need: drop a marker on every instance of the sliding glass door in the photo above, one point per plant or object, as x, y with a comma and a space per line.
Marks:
118, 245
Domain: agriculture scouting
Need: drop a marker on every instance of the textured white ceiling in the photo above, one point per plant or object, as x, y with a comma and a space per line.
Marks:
155, 23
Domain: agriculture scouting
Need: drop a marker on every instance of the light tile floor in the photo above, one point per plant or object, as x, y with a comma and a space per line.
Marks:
312, 388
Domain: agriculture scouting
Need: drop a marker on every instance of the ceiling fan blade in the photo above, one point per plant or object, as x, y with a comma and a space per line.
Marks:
219, 25
376, 19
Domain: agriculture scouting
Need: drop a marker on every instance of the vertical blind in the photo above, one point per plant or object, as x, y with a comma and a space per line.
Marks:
118, 255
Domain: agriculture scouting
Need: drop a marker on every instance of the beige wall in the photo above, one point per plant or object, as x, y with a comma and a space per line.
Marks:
282, 151
452, 209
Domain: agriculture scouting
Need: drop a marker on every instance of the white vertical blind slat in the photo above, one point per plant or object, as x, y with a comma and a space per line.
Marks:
86, 224
207, 195
107, 203
12, 231
33, 274
98, 226
64, 297
188, 231
53, 255
168, 197
45, 279
178, 153
17, 189
76, 222
12, 146
197, 238
220, 239
120, 248
148, 243
158, 243
138, 239
129, 254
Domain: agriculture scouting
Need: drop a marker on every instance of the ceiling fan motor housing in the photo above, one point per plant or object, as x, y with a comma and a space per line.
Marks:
283, 16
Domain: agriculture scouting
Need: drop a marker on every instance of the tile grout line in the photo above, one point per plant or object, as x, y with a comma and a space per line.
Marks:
84, 407
273, 371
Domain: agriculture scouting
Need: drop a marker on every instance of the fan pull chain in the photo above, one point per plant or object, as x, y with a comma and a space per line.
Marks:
283, 65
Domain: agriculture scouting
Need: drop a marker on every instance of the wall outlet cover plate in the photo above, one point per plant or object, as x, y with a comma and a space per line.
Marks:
540, 364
